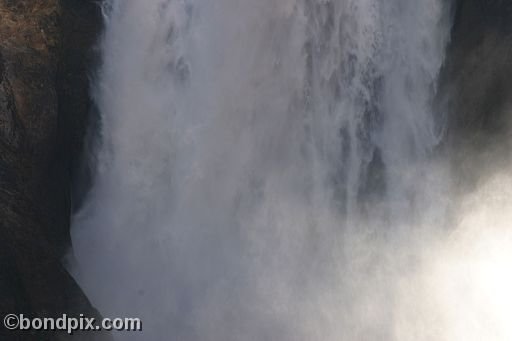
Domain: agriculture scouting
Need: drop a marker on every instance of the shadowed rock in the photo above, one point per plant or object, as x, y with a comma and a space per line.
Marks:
46, 48
476, 86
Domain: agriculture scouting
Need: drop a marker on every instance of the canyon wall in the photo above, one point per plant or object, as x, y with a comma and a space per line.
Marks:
46, 52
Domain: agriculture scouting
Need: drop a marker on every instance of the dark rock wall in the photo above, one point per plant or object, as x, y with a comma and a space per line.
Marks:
46, 50
476, 87
479, 64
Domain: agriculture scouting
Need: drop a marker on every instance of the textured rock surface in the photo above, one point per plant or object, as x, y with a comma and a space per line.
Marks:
45, 50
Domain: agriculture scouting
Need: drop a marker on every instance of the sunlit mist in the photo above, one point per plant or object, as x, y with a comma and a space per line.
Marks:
270, 170
462, 290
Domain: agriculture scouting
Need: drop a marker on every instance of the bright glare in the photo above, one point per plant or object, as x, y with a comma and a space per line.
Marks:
464, 290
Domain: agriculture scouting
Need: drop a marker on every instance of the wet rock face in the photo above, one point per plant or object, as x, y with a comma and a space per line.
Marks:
46, 50
476, 87
477, 77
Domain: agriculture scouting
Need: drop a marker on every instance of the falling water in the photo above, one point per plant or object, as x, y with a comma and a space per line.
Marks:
262, 164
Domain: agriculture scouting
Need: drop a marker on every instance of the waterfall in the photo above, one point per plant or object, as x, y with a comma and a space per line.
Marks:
263, 166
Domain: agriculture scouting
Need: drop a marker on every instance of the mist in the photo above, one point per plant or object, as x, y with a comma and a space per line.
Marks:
271, 170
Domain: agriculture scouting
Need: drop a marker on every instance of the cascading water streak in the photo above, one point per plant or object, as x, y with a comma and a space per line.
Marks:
254, 157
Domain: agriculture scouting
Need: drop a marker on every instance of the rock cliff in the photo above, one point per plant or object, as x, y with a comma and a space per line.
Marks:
46, 48
476, 86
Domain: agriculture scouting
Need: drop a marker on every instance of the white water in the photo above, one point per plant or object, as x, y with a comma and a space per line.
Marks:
266, 172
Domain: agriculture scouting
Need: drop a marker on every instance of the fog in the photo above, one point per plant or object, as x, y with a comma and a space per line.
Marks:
270, 170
